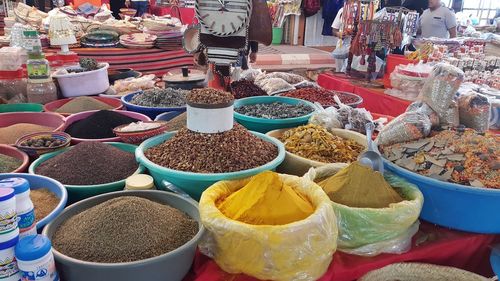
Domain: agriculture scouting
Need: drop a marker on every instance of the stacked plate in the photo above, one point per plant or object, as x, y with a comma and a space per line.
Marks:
100, 39
168, 40
138, 40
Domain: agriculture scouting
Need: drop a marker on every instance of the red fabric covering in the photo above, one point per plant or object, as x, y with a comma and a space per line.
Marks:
147, 61
187, 14
374, 100
432, 244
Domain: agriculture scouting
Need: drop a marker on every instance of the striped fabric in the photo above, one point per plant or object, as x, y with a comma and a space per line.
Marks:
149, 61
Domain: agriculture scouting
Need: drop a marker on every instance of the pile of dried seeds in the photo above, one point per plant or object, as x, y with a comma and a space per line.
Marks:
209, 96
275, 110
161, 98
124, 229
230, 151
461, 156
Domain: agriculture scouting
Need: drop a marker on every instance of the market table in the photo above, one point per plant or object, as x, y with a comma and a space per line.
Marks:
432, 244
147, 61
186, 14
374, 99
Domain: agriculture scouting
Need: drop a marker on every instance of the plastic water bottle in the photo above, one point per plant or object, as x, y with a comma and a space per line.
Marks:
24, 206
9, 270
35, 259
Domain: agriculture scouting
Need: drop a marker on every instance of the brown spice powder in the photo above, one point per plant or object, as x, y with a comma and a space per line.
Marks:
9, 135
45, 202
124, 229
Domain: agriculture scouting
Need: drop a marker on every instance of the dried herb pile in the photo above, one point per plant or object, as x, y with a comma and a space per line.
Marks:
124, 229
44, 201
161, 98
316, 143
462, 156
9, 164
81, 104
275, 110
230, 151
89, 163
245, 88
209, 96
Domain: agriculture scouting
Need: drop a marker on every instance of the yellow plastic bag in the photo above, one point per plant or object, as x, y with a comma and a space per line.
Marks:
372, 231
301, 250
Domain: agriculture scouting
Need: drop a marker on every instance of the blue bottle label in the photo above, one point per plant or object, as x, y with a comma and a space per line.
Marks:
26, 220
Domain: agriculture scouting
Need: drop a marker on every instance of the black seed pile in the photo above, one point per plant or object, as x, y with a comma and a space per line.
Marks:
99, 125
124, 229
275, 110
89, 163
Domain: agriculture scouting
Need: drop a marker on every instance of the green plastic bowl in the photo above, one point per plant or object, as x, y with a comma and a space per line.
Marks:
195, 183
21, 107
79, 192
264, 125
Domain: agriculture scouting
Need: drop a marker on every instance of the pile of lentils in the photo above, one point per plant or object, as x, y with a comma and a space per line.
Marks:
161, 98
209, 96
124, 229
321, 96
275, 110
245, 88
230, 151
98, 125
89, 163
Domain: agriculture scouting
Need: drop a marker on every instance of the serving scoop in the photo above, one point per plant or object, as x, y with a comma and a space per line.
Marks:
371, 157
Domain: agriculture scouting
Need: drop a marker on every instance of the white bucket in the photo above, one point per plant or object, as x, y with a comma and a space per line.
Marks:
86, 83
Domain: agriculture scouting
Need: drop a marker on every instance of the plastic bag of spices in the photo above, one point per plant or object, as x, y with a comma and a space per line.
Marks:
441, 86
474, 111
451, 118
422, 107
327, 118
406, 127
372, 231
273, 86
301, 250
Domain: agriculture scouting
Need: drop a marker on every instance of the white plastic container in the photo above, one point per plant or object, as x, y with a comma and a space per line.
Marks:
86, 83
24, 206
8, 265
139, 182
8, 214
35, 259
210, 119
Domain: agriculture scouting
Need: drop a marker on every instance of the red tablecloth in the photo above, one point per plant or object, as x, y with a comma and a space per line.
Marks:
187, 14
432, 244
374, 100
147, 61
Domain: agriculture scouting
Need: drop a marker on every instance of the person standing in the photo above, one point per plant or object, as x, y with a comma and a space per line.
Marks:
250, 55
116, 5
438, 21
141, 6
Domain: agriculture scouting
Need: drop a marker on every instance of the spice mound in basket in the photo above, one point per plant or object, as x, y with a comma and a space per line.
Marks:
275, 110
124, 229
209, 96
98, 125
11, 133
322, 96
316, 143
80, 104
89, 163
8, 163
459, 156
44, 202
229, 151
156, 97
246, 88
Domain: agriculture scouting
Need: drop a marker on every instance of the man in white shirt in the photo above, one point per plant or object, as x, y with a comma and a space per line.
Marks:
438, 21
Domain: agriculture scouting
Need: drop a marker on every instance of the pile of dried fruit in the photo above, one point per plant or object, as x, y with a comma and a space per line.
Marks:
316, 143
244, 89
463, 157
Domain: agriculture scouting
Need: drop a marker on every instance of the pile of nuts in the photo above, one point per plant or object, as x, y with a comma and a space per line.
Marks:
42, 142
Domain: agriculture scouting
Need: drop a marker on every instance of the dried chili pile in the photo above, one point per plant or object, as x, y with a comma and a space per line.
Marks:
244, 89
229, 151
463, 157
321, 96
316, 143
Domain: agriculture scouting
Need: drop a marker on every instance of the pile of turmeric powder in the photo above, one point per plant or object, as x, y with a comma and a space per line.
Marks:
359, 186
266, 200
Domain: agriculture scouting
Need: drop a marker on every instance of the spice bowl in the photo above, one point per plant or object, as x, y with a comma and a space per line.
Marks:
54, 105
79, 192
35, 152
151, 112
82, 115
174, 264
136, 137
18, 154
264, 125
297, 165
21, 107
47, 119
195, 183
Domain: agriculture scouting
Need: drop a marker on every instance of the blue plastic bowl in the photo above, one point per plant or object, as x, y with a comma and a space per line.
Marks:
495, 259
79, 192
264, 125
167, 116
195, 183
54, 186
151, 112
453, 205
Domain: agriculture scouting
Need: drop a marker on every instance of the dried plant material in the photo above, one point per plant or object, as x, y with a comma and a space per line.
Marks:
209, 96
275, 110
316, 143
161, 98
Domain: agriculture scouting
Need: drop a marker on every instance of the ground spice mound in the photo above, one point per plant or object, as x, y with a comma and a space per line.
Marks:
9, 164
45, 202
9, 135
89, 163
98, 125
209, 96
81, 104
230, 151
124, 229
